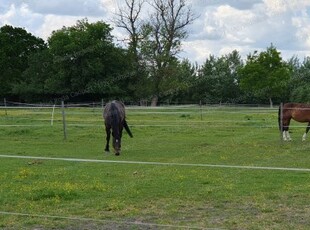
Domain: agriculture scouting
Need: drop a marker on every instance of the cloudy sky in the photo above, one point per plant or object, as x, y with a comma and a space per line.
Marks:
222, 26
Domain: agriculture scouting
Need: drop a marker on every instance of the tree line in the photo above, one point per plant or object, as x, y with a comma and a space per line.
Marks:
84, 62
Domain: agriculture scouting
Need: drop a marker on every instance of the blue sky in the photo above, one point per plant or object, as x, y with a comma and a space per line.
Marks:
222, 26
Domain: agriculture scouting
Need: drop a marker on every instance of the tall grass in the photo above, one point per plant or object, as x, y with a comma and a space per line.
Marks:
87, 195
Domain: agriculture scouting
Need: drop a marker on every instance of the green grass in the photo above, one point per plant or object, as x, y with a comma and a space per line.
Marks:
90, 195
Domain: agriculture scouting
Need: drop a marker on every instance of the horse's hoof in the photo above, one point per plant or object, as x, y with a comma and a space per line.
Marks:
116, 154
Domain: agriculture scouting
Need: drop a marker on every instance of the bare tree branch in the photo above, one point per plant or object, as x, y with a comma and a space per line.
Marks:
158, 39
129, 18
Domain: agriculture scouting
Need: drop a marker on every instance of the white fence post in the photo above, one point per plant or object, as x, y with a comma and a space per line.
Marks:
52, 118
64, 119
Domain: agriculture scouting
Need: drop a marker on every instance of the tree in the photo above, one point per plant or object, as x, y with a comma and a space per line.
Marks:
40, 69
300, 81
219, 79
164, 34
265, 74
159, 38
16, 45
129, 19
183, 83
87, 62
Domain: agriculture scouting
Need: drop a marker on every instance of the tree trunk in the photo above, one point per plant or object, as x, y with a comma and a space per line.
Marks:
154, 100
271, 103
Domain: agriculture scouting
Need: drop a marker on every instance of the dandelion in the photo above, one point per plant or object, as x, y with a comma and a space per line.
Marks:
24, 173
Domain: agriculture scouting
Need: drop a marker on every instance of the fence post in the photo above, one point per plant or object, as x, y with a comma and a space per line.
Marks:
53, 111
64, 119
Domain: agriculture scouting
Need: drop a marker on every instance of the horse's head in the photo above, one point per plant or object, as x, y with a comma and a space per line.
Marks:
117, 143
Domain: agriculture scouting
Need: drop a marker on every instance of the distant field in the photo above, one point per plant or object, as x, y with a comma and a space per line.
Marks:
186, 167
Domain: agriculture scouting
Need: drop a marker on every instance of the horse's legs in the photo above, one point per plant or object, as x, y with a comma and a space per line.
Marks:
288, 136
305, 134
285, 133
118, 151
108, 131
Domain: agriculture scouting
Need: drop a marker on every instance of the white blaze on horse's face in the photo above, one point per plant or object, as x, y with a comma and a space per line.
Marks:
117, 145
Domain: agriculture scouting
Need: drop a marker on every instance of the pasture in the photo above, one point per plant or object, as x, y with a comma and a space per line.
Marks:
187, 167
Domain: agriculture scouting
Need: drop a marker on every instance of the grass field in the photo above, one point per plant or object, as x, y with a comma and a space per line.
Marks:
188, 193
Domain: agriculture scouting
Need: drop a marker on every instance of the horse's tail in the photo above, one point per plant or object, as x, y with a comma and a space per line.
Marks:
127, 128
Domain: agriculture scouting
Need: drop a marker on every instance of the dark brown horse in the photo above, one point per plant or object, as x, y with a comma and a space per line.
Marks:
114, 119
297, 111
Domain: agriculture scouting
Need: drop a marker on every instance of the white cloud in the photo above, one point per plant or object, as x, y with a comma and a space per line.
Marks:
197, 50
110, 5
43, 17
67, 7
233, 21
9, 14
55, 22
303, 35
282, 6
22, 17
238, 4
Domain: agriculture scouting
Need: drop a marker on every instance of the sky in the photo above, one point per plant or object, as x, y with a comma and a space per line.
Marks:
221, 27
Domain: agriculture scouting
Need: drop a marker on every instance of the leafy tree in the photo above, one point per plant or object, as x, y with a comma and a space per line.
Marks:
87, 62
300, 82
219, 79
40, 69
179, 83
16, 46
265, 74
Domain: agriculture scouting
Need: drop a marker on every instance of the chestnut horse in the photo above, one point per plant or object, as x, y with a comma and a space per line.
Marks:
297, 111
114, 119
